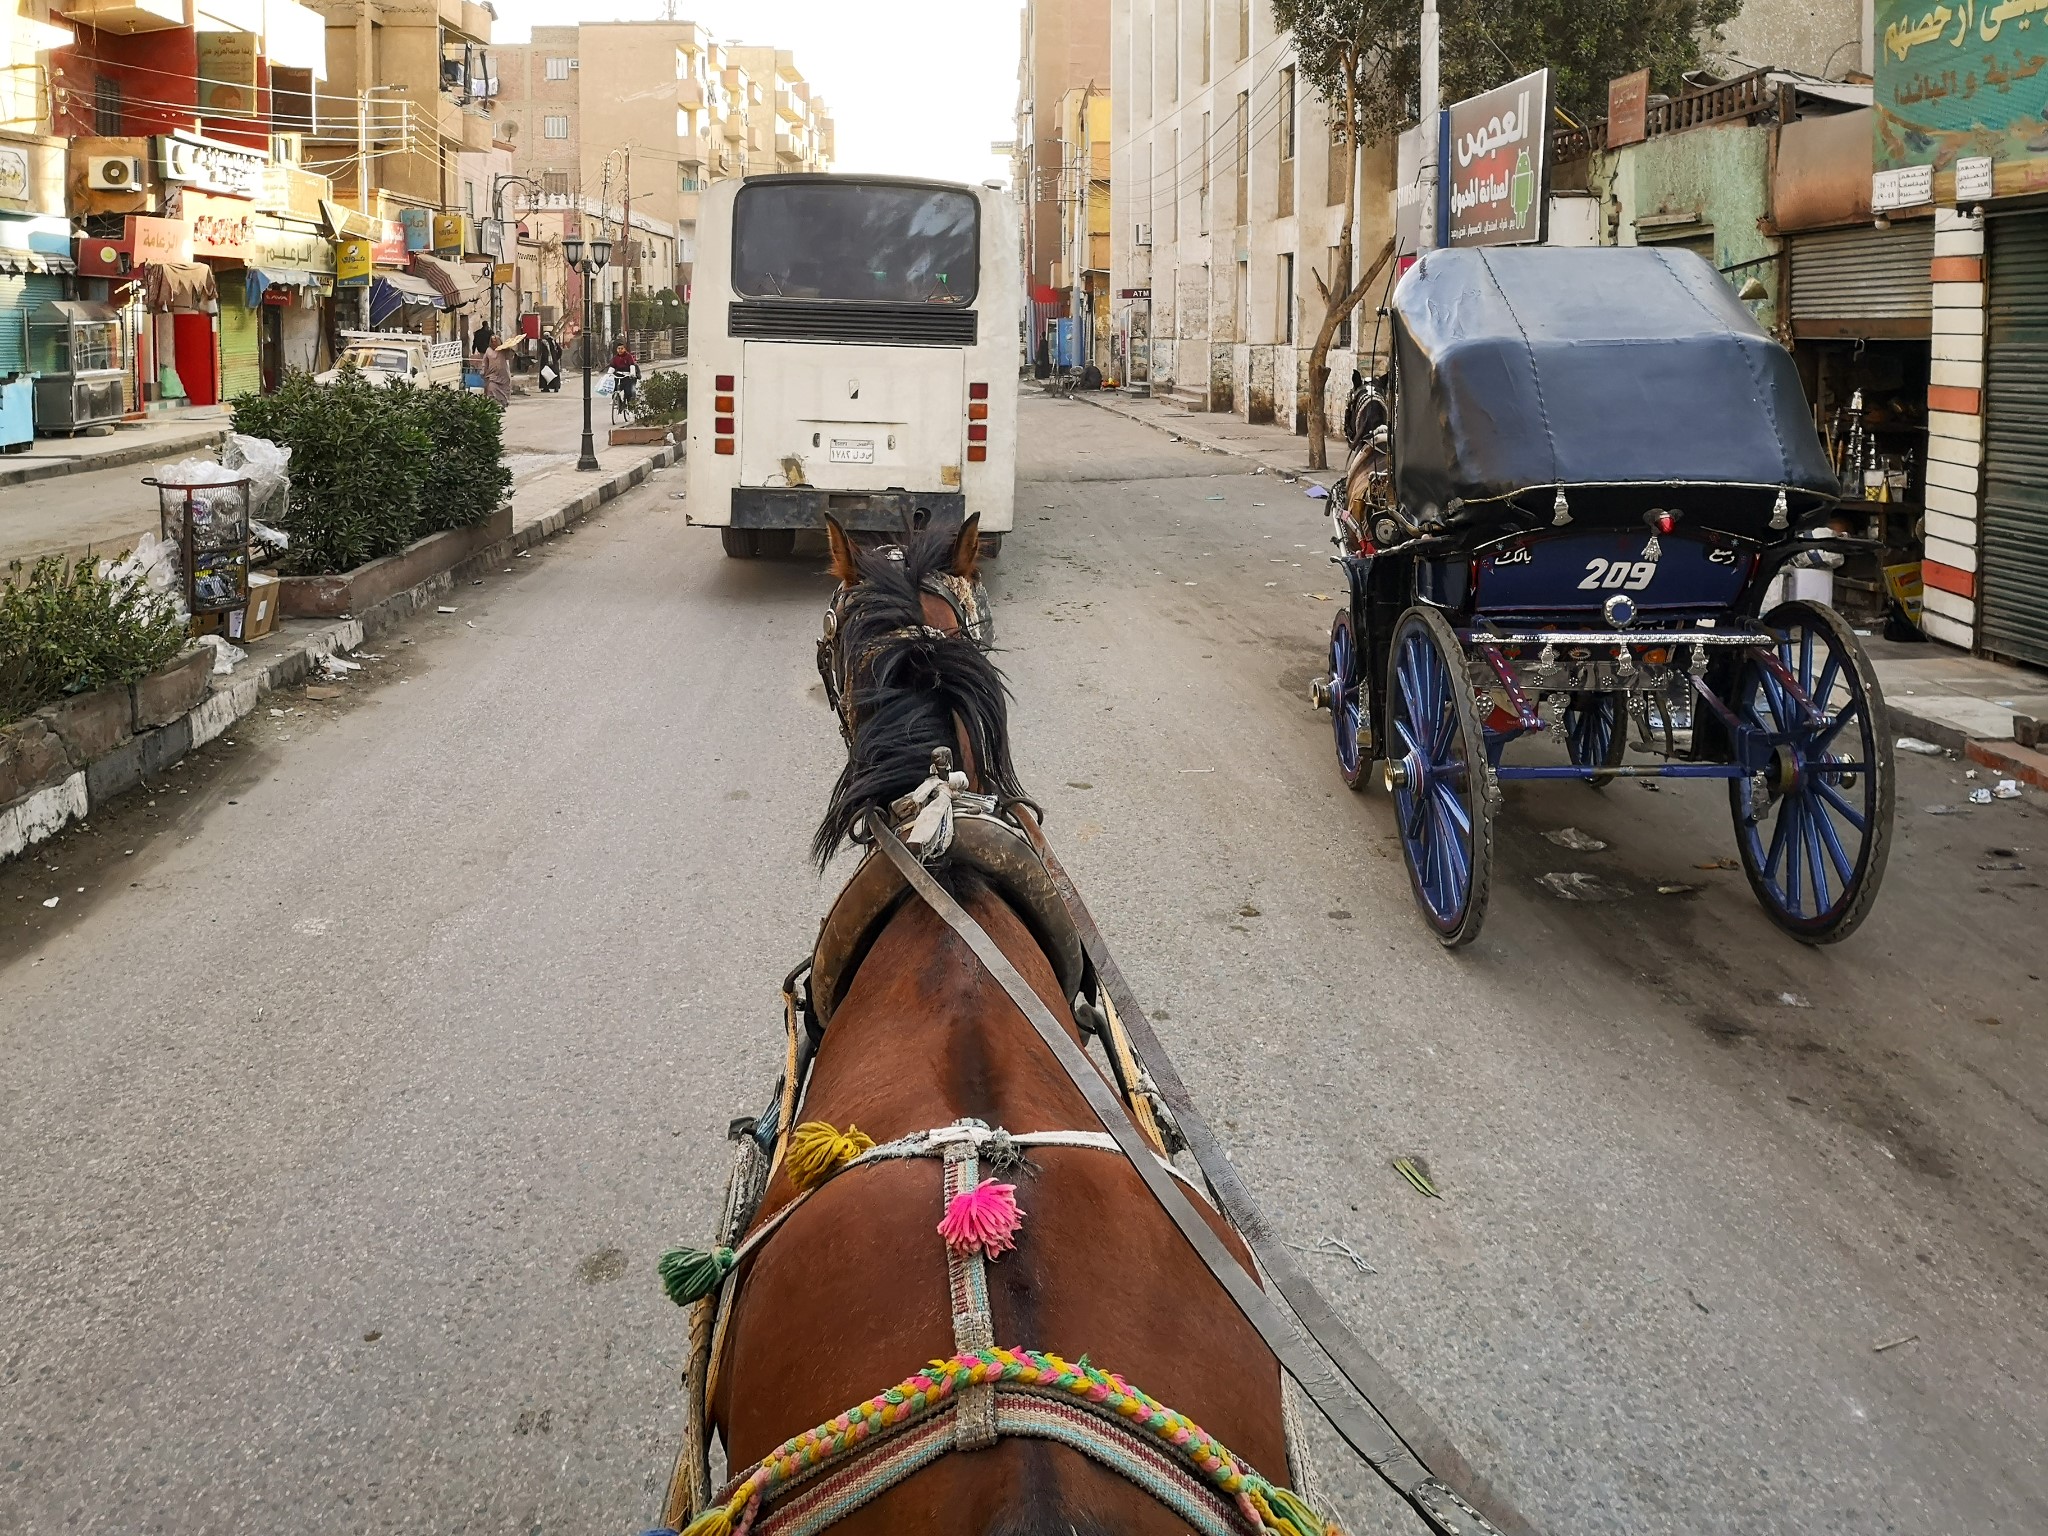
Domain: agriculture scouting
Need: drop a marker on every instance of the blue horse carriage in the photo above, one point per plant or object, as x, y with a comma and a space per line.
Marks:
1568, 503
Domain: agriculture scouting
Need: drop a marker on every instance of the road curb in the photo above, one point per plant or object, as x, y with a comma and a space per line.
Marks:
47, 810
1288, 472
1905, 721
137, 453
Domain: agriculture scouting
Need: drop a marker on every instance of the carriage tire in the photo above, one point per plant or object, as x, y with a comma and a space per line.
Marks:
1422, 634
1351, 732
777, 543
1878, 785
740, 543
1615, 747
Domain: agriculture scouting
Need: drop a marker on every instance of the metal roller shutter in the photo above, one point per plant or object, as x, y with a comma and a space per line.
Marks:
14, 308
241, 344
1864, 282
2013, 580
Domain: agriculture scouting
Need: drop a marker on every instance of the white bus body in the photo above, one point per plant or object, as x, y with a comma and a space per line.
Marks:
852, 353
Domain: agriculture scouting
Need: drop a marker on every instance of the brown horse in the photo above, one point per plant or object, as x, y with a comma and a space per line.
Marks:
851, 1295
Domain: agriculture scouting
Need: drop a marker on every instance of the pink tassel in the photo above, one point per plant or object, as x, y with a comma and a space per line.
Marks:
985, 1217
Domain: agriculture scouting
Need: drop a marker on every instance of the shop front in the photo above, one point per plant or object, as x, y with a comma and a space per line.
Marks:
1859, 315
290, 285
35, 259
1959, 131
368, 254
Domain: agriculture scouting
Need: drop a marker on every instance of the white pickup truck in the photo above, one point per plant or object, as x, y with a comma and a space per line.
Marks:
386, 355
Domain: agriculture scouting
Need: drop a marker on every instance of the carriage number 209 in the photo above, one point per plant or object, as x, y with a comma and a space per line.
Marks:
1622, 574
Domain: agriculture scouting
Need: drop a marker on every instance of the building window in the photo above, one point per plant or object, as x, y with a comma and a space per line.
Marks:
1244, 29
1207, 11
1340, 284
106, 107
1286, 137
1286, 316
1173, 58
555, 183
555, 127
1205, 174
469, 198
1243, 319
686, 180
558, 69
1339, 163
1244, 156
1173, 185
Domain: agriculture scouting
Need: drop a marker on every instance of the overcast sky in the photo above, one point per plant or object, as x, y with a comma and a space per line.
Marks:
917, 87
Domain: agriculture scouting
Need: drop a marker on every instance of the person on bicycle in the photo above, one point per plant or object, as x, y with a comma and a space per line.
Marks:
625, 368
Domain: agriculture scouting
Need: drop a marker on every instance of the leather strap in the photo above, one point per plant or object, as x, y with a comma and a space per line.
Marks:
1392, 1455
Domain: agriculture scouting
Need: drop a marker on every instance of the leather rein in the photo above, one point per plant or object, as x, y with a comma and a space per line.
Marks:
1396, 1436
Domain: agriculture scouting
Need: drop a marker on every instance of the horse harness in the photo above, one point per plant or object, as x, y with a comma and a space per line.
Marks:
983, 1392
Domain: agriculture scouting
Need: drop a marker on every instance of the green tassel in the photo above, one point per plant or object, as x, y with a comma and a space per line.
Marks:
1295, 1516
691, 1274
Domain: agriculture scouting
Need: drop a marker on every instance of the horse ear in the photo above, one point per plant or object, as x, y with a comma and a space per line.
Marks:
967, 548
843, 564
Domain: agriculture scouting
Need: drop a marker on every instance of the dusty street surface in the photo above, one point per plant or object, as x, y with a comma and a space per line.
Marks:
344, 1118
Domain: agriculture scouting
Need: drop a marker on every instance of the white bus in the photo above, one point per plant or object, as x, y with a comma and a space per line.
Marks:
853, 352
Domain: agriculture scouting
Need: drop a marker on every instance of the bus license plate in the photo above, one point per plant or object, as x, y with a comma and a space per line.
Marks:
853, 450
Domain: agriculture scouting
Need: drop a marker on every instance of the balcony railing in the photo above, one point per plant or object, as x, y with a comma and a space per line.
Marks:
1746, 98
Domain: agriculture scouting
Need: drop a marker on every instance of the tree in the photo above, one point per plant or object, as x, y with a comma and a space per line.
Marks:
1362, 60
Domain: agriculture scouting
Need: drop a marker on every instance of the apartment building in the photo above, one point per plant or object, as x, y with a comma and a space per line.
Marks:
1227, 195
1081, 273
646, 113
1065, 48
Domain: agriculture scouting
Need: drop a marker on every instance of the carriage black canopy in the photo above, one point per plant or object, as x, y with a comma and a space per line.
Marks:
1523, 370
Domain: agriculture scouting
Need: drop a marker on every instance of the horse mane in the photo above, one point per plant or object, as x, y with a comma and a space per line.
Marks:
907, 687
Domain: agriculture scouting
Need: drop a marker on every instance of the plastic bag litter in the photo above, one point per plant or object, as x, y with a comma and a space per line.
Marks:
1980, 797
273, 540
1318, 493
267, 466
1915, 744
225, 655
2007, 789
213, 514
154, 566
1574, 839
1576, 885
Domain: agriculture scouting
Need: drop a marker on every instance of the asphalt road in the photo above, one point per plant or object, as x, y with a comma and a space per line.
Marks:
345, 1108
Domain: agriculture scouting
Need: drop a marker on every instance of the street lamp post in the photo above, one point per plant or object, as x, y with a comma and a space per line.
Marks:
600, 253
498, 185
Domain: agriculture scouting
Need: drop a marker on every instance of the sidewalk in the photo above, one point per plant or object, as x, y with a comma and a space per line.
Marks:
1275, 448
1985, 710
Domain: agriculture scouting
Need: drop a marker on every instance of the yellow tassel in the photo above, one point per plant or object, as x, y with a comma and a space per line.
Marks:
713, 1522
817, 1151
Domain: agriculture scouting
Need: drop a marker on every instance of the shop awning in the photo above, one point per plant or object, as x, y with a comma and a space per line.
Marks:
458, 283
179, 285
20, 263
392, 291
260, 279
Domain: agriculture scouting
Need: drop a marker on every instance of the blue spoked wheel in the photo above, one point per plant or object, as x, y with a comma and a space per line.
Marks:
1815, 831
1596, 734
1347, 702
1436, 768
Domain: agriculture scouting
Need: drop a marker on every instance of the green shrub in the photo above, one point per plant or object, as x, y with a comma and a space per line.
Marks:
358, 462
663, 397
70, 627
466, 479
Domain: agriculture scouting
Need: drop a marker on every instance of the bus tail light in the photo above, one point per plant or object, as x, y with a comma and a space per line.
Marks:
978, 411
977, 432
722, 425
977, 391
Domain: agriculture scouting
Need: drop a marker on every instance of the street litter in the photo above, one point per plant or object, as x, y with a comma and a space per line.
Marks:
1980, 797
1405, 1166
2003, 864
1212, 498
51, 902
225, 655
1676, 889
525, 554
1895, 1343
444, 608
1577, 885
2007, 789
1969, 773
333, 663
1336, 1248
1259, 469
1574, 839
1792, 1000
1321, 597
1915, 744
279, 713
1718, 864
1650, 784
1946, 810
1318, 493
317, 692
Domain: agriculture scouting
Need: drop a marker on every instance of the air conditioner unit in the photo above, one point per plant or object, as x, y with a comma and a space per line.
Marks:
113, 173
1141, 234
575, 63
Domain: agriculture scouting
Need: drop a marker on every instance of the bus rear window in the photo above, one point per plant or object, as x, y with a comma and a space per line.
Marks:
871, 242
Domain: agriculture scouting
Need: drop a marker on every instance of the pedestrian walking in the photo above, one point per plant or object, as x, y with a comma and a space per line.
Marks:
549, 352
481, 339
497, 372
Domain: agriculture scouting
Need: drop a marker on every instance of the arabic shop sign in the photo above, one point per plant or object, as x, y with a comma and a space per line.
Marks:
1496, 164
1961, 81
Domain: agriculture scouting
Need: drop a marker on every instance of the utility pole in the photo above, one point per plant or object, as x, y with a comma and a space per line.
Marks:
1431, 104
626, 252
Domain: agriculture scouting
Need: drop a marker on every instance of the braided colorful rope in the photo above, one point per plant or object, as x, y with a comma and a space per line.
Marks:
1268, 1508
